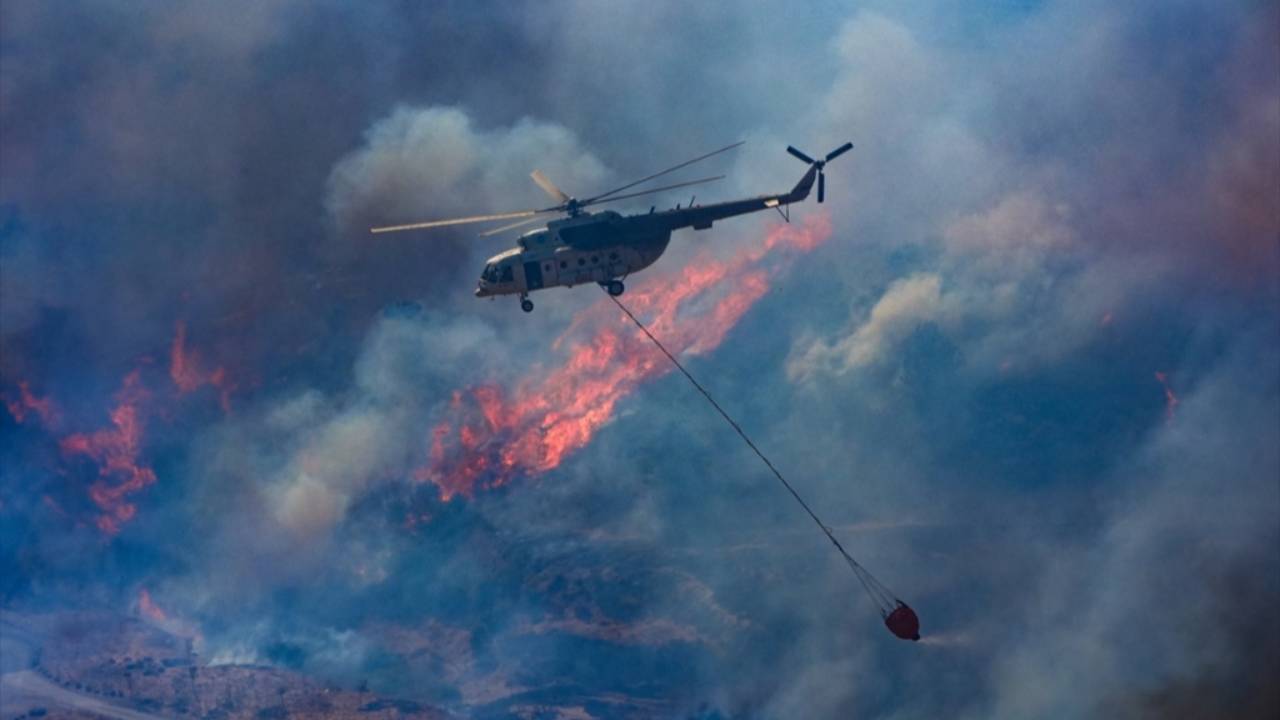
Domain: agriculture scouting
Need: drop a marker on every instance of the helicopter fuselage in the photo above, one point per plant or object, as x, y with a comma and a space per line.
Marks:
591, 247
606, 246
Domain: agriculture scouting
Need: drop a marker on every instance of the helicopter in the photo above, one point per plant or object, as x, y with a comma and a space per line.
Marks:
605, 247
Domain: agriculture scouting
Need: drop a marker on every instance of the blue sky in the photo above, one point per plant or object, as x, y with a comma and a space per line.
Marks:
1047, 204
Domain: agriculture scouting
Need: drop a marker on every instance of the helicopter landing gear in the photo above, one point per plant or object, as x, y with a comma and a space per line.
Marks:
526, 304
614, 287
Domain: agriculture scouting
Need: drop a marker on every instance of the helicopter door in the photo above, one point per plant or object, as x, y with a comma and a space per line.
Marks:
533, 275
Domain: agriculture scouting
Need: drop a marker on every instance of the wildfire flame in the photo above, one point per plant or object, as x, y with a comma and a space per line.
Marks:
149, 609
27, 404
168, 621
187, 374
1170, 399
115, 450
494, 435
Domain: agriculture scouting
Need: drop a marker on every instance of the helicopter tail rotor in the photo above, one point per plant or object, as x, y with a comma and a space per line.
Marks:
803, 158
820, 164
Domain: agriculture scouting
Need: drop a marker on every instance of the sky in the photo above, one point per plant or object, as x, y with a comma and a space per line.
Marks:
1025, 360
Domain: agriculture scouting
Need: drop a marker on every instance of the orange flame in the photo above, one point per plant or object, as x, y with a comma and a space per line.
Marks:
27, 403
149, 609
170, 623
1170, 400
186, 372
493, 438
115, 450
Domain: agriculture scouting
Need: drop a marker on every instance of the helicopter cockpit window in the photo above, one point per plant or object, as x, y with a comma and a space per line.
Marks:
490, 274
506, 274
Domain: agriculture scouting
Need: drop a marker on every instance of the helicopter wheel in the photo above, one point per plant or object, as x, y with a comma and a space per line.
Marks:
526, 305
615, 287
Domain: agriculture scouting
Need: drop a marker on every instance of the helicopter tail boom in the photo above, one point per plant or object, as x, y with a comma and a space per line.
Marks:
802, 188
701, 217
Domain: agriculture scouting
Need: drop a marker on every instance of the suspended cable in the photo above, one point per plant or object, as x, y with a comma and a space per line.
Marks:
891, 608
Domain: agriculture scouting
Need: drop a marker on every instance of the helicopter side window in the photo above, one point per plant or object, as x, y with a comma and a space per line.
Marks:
563, 264
506, 274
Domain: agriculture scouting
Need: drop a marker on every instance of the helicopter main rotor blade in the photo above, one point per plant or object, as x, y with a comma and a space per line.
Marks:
549, 187
654, 190
512, 226
459, 221
602, 196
